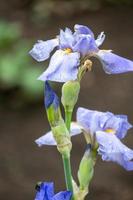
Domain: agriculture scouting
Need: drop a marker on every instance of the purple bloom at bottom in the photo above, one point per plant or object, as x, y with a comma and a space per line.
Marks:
45, 191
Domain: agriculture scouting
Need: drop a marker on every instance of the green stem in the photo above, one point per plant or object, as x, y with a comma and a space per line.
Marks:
68, 117
67, 171
66, 160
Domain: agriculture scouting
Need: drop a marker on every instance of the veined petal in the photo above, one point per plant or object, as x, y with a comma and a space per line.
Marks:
64, 195
114, 64
80, 29
62, 67
93, 121
48, 138
66, 39
42, 49
89, 119
111, 149
85, 45
46, 191
100, 39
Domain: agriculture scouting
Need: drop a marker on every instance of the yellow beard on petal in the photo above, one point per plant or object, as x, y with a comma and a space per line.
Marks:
109, 130
68, 50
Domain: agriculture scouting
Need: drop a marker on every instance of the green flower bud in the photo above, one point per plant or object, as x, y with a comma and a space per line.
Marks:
56, 121
62, 138
70, 92
86, 169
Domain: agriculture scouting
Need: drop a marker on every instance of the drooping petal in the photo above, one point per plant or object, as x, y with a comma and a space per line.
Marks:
48, 138
80, 29
45, 192
63, 67
42, 49
111, 149
85, 45
100, 39
64, 195
114, 64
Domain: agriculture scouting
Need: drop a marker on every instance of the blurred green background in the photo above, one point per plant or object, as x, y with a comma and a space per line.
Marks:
22, 114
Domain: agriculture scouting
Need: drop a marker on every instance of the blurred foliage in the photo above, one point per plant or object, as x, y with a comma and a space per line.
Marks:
16, 67
44, 10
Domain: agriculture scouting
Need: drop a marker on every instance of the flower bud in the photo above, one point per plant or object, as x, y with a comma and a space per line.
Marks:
86, 169
56, 121
70, 92
52, 105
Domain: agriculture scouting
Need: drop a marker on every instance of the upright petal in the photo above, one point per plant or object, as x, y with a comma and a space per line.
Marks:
48, 138
100, 39
85, 45
111, 149
63, 67
66, 39
80, 29
45, 192
64, 195
89, 119
119, 123
114, 64
42, 49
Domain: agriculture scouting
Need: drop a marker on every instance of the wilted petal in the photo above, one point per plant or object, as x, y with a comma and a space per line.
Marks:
64, 195
63, 67
100, 39
114, 64
85, 45
46, 191
111, 149
42, 49
80, 29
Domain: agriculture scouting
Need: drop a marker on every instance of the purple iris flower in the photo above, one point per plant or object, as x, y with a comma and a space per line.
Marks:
108, 129
71, 48
45, 191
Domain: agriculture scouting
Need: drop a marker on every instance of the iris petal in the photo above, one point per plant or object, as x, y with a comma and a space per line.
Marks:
46, 191
114, 64
41, 50
111, 149
85, 45
66, 39
48, 138
80, 29
93, 121
100, 39
64, 195
63, 67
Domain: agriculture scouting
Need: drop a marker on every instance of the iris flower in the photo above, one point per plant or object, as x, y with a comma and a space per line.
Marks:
70, 49
45, 191
108, 129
